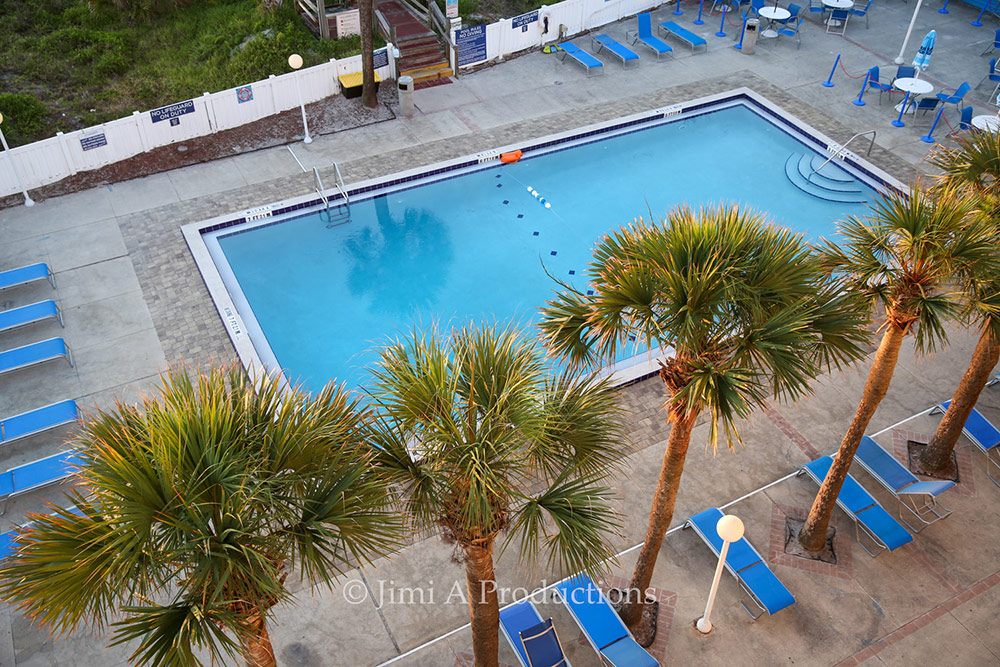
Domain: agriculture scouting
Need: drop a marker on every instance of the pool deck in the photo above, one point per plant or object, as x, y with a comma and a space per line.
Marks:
133, 303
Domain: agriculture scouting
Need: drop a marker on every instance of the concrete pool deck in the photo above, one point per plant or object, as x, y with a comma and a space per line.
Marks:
134, 303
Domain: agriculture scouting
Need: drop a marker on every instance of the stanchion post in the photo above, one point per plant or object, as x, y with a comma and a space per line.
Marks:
698, 20
899, 121
722, 24
979, 19
677, 11
743, 31
860, 102
829, 82
944, 10
927, 138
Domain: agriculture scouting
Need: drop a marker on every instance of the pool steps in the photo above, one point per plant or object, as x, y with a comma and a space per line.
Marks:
830, 183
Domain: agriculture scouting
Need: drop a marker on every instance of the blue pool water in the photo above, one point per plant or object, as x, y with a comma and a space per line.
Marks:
474, 246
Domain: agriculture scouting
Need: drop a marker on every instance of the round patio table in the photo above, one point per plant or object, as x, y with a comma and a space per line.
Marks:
773, 14
987, 123
910, 85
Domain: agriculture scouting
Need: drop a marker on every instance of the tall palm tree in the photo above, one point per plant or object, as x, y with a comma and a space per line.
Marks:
192, 508
481, 440
907, 256
366, 13
743, 310
973, 166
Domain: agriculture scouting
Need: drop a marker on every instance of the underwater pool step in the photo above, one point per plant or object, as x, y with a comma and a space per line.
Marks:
828, 185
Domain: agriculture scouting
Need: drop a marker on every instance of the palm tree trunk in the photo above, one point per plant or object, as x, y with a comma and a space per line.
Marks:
813, 534
257, 650
484, 610
938, 453
368, 93
660, 516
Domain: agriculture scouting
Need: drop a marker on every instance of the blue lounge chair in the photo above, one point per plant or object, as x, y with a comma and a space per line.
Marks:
645, 35
873, 82
35, 312
626, 54
920, 498
793, 32
793, 15
753, 576
25, 275
870, 518
984, 435
7, 539
35, 353
993, 75
37, 474
588, 61
37, 421
691, 39
601, 625
994, 45
535, 641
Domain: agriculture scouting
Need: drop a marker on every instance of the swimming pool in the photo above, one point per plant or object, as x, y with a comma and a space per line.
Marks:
481, 240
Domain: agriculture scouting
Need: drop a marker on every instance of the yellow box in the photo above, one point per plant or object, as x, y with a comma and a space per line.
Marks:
352, 80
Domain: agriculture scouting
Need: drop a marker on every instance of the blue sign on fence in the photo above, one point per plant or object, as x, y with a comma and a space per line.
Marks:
244, 94
93, 141
381, 57
523, 20
471, 44
172, 111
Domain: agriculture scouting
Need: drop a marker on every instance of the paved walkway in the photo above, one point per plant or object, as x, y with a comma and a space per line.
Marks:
134, 303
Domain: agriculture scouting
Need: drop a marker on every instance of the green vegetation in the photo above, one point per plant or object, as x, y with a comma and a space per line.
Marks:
67, 64
474, 12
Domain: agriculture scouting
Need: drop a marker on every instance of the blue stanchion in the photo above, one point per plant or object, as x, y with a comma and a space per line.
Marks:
722, 24
978, 22
944, 10
698, 20
927, 138
743, 31
860, 102
899, 121
677, 11
829, 82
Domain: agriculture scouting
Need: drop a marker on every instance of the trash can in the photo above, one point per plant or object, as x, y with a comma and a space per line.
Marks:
406, 96
750, 36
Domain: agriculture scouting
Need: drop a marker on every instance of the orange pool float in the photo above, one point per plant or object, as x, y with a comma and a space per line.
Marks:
510, 158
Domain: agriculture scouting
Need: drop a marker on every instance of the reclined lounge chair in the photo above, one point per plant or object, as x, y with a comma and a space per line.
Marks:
683, 34
920, 498
37, 421
35, 353
754, 577
645, 35
601, 625
588, 61
25, 274
37, 474
626, 54
35, 312
870, 518
534, 640
984, 435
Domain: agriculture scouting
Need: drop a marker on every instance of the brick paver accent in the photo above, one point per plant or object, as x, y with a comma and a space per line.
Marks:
963, 456
790, 431
843, 568
920, 621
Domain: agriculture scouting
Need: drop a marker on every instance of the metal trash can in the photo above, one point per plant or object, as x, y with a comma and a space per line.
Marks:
406, 96
750, 36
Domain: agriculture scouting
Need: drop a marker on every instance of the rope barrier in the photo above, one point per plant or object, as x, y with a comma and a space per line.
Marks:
849, 75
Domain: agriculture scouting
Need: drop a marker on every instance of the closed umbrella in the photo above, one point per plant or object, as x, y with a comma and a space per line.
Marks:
923, 57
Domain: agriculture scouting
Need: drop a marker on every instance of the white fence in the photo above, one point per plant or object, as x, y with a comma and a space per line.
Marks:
50, 160
497, 40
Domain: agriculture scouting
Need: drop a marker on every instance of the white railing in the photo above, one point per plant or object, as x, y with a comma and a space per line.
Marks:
63, 155
508, 36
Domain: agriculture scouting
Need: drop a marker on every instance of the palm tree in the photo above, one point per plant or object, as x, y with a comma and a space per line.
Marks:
366, 11
743, 310
500, 446
192, 509
907, 256
973, 167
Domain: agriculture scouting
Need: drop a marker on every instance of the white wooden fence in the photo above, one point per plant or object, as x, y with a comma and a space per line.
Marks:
53, 159
508, 36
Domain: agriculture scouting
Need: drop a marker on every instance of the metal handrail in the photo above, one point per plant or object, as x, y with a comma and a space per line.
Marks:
318, 185
340, 185
840, 151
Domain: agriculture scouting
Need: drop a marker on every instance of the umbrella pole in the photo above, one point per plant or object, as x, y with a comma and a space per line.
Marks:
913, 19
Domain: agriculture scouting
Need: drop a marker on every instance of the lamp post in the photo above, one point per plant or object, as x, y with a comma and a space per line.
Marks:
295, 62
730, 529
28, 201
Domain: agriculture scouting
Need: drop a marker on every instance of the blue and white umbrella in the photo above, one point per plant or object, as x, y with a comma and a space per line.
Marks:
923, 57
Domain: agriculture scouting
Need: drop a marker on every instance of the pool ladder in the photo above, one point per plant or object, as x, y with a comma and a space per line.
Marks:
340, 212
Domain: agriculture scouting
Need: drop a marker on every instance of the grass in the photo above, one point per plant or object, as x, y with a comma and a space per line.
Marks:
67, 64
